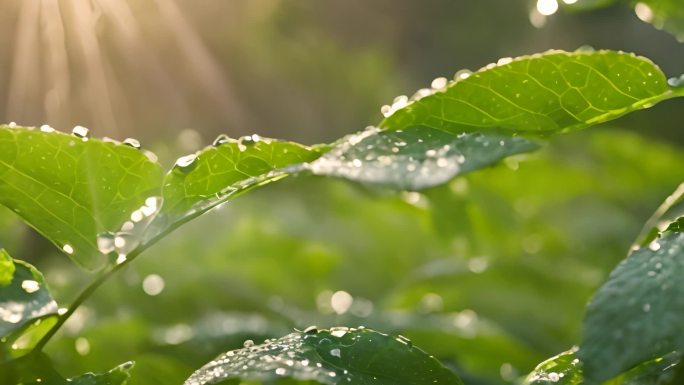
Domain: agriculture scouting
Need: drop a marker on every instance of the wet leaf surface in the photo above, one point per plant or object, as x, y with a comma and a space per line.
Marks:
636, 315
37, 369
335, 356
71, 188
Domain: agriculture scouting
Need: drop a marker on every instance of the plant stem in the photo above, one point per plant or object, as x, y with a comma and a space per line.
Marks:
84, 295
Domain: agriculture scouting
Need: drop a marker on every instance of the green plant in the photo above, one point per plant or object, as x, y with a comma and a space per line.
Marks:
103, 203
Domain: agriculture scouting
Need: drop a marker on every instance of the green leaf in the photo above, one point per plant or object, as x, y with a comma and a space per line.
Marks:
543, 93
37, 369
25, 298
72, 188
636, 315
566, 369
663, 14
201, 181
415, 158
563, 369
335, 356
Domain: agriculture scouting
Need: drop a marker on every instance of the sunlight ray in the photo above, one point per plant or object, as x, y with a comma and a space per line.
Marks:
98, 91
25, 66
202, 65
131, 43
57, 77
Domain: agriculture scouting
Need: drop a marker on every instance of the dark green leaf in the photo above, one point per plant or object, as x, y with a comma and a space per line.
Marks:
415, 158
335, 356
636, 315
25, 296
37, 369
543, 93
71, 188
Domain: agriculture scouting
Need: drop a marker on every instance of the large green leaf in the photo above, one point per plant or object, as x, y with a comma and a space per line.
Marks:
636, 315
543, 93
37, 369
335, 356
71, 188
24, 296
415, 158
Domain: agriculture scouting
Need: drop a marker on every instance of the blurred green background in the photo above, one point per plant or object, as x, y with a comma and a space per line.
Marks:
490, 273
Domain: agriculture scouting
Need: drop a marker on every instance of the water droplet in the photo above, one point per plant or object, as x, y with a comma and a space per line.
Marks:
336, 353
248, 343
405, 341
221, 139
68, 248
81, 132
439, 83
105, 243
186, 161
46, 128
655, 246
30, 286
554, 377
280, 371
311, 330
504, 61
135, 143
462, 74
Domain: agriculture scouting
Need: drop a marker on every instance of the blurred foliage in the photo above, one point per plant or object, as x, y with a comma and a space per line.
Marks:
489, 273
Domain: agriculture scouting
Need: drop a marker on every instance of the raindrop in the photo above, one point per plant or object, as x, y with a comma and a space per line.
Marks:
135, 143
221, 139
336, 353
554, 377
504, 61
248, 343
676, 82
68, 248
81, 132
46, 128
281, 371
439, 83
30, 286
462, 74
186, 161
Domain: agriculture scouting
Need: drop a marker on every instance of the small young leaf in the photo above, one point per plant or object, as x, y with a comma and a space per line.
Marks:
566, 369
71, 188
543, 93
335, 356
563, 369
415, 158
24, 298
636, 315
37, 369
